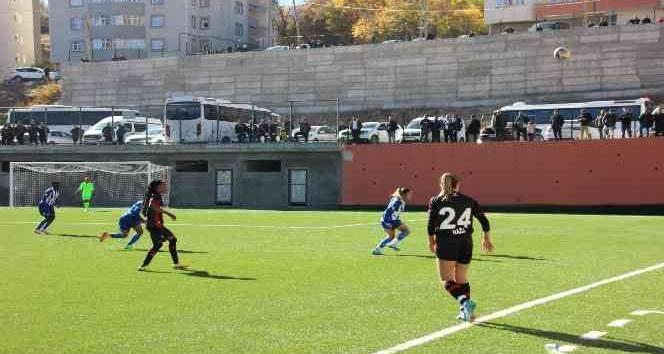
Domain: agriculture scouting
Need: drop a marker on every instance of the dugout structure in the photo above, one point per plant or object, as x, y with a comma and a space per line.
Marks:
117, 184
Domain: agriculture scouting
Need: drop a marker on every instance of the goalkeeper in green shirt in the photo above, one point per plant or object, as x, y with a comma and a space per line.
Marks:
87, 191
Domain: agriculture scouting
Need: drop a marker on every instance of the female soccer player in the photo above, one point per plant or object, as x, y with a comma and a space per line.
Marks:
450, 229
47, 207
130, 219
391, 222
87, 191
154, 213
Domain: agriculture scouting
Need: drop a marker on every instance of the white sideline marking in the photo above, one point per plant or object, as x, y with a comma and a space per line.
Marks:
246, 226
514, 309
592, 335
619, 323
645, 312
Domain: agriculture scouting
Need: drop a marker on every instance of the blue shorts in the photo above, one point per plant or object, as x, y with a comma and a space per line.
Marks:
392, 225
127, 223
46, 211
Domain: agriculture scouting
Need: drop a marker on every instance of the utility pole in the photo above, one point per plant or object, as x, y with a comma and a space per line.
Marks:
424, 19
297, 24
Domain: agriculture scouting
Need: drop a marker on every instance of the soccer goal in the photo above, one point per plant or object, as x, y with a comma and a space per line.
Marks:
117, 184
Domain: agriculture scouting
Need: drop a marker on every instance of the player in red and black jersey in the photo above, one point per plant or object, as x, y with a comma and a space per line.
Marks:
450, 229
154, 214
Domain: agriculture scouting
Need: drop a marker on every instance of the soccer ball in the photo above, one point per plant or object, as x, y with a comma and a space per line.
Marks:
562, 53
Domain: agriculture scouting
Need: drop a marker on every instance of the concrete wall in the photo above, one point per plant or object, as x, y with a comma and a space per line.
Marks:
610, 62
198, 189
617, 172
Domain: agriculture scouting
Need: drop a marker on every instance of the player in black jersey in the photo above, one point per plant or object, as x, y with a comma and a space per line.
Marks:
450, 229
154, 215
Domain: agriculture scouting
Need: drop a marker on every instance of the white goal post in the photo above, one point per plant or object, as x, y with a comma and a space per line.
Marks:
117, 184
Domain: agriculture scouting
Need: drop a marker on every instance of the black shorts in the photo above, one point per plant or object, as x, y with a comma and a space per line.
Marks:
159, 235
459, 249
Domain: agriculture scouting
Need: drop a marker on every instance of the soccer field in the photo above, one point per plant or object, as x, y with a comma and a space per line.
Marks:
305, 282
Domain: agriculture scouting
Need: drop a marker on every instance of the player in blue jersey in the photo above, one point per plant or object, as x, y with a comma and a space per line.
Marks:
391, 221
47, 207
130, 219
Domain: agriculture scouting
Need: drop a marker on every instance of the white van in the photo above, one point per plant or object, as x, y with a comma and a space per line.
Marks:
132, 126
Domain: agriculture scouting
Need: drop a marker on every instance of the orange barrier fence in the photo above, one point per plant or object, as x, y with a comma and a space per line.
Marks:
568, 173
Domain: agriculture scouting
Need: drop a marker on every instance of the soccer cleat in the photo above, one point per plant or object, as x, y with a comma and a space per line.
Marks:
128, 247
38, 232
377, 251
44, 232
181, 267
142, 269
394, 245
468, 310
104, 236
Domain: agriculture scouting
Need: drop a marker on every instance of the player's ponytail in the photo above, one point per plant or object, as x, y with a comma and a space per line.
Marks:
151, 193
448, 185
401, 192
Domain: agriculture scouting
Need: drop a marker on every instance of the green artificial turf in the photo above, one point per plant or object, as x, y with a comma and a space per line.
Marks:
305, 282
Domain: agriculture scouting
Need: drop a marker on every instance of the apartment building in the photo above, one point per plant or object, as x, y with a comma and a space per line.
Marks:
19, 34
105, 29
521, 14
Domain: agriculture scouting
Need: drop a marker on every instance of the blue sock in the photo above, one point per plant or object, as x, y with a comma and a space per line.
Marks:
46, 224
117, 235
134, 239
41, 224
403, 235
384, 242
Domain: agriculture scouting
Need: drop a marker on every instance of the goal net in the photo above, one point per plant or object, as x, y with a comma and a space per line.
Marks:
117, 184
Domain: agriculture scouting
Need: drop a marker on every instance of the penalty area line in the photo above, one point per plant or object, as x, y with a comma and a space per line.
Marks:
514, 309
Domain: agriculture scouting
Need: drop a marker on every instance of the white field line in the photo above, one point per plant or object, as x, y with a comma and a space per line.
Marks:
514, 309
646, 312
246, 226
592, 335
619, 323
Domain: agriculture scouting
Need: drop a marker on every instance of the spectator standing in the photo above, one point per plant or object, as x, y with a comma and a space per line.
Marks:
305, 128
599, 123
610, 124
273, 131
5, 134
645, 123
557, 122
436, 126
585, 119
447, 126
76, 134
241, 132
658, 118
425, 129
626, 120
263, 131
107, 133
355, 127
43, 131
120, 134
457, 123
519, 124
33, 133
499, 124
12, 134
20, 133
473, 131
530, 130
392, 128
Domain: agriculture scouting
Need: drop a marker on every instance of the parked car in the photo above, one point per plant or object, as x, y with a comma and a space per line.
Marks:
372, 132
57, 137
318, 133
27, 74
278, 48
155, 136
391, 41
413, 131
132, 125
54, 75
548, 26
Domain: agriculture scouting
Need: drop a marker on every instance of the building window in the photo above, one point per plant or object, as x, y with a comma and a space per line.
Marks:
224, 187
77, 46
297, 187
205, 3
239, 29
121, 43
157, 44
239, 8
75, 3
157, 21
194, 2
102, 20
127, 20
205, 23
76, 23
193, 21
157, 2
102, 43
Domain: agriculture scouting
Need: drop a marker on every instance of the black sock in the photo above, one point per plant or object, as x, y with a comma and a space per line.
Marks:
151, 253
173, 249
460, 292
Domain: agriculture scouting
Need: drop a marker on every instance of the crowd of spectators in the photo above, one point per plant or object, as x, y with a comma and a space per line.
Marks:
24, 134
